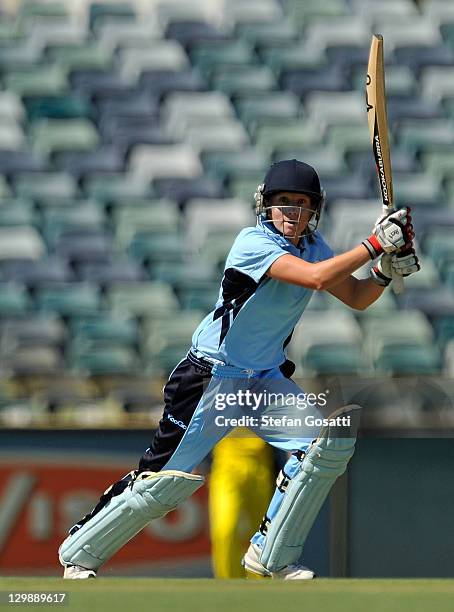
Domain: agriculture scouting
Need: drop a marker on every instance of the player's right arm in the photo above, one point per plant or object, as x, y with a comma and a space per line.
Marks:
390, 234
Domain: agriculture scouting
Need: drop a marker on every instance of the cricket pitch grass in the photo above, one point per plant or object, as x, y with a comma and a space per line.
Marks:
206, 595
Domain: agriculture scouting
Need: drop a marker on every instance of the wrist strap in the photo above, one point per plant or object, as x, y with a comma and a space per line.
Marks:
379, 278
373, 246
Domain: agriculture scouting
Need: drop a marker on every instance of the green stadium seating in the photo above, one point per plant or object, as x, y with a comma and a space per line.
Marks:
416, 188
293, 56
159, 55
11, 137
241, 80
11, 107
51, 135
304, 12
209, 55
83, 57
414, 135
75, 299
253, 11
159, 216
287, 134
14, 300
167, 340
437, 82
267, 33
16, 212
141, 299
227, 164
104, 328
121, 189
5, 191
44, 81
349, 138
45, 185
101, 359
20, 242
152, 247
402, 360
439, 162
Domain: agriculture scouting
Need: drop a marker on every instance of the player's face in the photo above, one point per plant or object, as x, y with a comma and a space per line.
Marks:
290, 213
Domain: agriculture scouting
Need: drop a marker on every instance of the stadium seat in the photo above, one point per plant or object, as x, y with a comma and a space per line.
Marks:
51, 135
31, 331
82, 245
407, 31
274, 105
305, 12
58, 107
14, 300
227, 164
182, 190
368, 9
301, 82
104, 328
20, 242
286, 134
418, 57
117, 187
265, 33
152, 247
98, 359
295, 55
436, 303
11, 137
35, 273
141, 299
44, 185
253, 11
11, 107
335, 108
216, 135
326, 159
164, 161
102, 11
71, 299
402, 360
438, 82
161, 82
335, 31
167, 340
15, 212
44, 81
115, 33
243, 80
159, 55
106, 273
189, 32
33, 360
206, 217
415, 189
87, 56
159, 216
209, 55
80, 164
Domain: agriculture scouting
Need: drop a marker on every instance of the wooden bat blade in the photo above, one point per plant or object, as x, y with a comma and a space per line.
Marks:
378, 119
378, 129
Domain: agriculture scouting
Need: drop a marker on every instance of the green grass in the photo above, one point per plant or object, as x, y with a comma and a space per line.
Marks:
177, 595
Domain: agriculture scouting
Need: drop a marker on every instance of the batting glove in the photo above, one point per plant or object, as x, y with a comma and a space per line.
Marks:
391, 232
404, 263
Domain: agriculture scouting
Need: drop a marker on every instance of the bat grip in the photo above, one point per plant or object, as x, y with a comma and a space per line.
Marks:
398, 281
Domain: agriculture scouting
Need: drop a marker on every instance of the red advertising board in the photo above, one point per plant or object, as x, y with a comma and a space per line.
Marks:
40, 501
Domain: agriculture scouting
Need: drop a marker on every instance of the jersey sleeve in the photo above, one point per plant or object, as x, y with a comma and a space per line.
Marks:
253, 252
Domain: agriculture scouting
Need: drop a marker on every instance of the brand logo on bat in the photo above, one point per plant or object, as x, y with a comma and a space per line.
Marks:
381, 168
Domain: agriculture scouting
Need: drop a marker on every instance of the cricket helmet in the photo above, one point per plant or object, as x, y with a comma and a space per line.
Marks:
293, 176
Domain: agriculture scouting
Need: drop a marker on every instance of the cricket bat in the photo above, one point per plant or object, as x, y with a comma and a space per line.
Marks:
378, 129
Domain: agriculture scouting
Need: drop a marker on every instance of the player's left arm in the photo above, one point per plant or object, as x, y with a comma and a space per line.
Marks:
361, 293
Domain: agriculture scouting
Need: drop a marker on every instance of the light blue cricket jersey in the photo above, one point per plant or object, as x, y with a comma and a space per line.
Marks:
255, 315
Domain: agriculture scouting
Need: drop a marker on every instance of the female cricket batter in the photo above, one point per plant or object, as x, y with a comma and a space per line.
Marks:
269, 276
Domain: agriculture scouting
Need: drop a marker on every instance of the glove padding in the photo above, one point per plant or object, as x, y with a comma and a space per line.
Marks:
391, 232
404, 263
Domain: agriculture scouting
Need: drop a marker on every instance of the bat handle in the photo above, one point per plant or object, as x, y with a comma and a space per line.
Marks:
398, 281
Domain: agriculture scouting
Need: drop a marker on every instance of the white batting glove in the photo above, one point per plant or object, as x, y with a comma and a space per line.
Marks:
391, 232
404, 263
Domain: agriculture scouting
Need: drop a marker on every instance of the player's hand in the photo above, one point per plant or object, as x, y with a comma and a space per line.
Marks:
391, 232
404, 263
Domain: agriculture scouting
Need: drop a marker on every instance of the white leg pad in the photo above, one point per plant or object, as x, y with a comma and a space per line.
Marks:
150, 496
325, 460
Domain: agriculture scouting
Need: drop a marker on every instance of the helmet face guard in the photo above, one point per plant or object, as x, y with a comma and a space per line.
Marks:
295, 177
